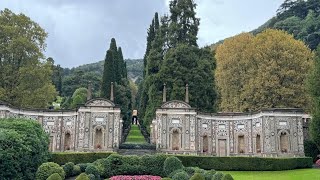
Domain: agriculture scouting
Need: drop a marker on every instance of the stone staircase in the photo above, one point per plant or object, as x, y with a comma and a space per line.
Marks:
138, 152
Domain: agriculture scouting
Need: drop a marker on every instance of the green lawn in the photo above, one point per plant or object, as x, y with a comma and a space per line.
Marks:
299, 174
135, 136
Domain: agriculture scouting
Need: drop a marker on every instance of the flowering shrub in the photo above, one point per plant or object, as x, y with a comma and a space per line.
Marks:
318, 162
145, 177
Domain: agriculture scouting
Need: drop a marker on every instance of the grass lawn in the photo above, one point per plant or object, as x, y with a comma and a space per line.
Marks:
299, 174
135, 135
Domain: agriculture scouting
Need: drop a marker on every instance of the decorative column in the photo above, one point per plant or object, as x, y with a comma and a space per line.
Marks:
89, 92
164, 96
111, 93
187, 94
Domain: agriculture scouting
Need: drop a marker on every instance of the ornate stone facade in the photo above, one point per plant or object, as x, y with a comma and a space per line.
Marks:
96, 126
179, 129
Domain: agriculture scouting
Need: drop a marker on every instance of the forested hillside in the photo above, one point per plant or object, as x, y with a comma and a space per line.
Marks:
300, 18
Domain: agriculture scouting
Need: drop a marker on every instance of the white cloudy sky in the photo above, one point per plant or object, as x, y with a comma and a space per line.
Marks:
80, 30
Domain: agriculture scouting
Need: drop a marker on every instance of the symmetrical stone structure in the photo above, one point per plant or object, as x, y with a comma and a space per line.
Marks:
179, 129
96, 126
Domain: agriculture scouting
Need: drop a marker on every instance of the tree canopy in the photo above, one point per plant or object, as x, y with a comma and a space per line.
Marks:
265, 71
25, 79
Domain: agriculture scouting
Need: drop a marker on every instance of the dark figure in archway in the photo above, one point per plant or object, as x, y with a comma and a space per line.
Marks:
134, 117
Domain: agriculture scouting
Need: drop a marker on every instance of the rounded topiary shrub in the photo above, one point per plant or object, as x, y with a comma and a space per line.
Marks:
83, 166
93, 177
23, 148
181, 176
76, 170
91, 169
54, 176
68, 168
197, 176
171, 164
217, 176
227, 177
47, 169
83, 176
175, 172
209, 174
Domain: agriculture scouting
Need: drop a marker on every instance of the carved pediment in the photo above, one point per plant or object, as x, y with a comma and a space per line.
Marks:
100, 103
175, 104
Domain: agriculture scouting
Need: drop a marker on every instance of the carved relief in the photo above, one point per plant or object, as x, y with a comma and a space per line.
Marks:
175, 104
101, 103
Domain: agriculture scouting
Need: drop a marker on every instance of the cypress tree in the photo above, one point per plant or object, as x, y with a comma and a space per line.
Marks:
108, 74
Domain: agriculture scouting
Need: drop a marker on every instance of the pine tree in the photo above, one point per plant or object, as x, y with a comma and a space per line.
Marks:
184, 25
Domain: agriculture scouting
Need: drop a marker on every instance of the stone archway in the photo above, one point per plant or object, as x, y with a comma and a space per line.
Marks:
67, 141
241, 144
284, 143
205, 146
175, 140
98, 138
258, 143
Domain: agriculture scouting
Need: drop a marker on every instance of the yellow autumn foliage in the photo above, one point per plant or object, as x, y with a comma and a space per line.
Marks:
264, 71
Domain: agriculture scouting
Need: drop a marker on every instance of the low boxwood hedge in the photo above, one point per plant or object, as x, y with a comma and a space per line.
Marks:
246, 163
78, 157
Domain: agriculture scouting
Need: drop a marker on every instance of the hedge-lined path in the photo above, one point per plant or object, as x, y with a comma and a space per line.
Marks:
135, 136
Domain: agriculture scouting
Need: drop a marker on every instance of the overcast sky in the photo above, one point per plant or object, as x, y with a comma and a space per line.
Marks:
80, 30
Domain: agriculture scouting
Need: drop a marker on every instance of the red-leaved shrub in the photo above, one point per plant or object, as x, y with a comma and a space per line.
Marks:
318, 162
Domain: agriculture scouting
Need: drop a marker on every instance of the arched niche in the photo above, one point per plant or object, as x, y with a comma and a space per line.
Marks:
205, 144
241, 144
98, 137
284, 141
258, 143
67, 141
176, 139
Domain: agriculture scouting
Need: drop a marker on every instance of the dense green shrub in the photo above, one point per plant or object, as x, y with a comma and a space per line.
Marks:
83, 176
311, 149
176, 172
171, 164
92, 177
166, 178
78, 157
91, 169
76, 170
227, 177
209, 174
47, 169
197, 176
68, 168
137, 146
217, 176
54, 176
153, 164
246, 163
23, 148
182, 175
83, 166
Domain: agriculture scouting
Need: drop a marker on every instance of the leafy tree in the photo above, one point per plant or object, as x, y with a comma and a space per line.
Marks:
268, 70
79, 97
314, 89
24, 80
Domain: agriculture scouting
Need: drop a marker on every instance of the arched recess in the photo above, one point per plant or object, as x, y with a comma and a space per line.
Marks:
175, 139
205, 144
284, 141
67, 141
258, 143
98, 138
241, 144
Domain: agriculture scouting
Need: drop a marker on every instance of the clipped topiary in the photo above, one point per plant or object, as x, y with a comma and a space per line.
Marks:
171, 164
175, 172
83, 166
197, 176
91, 169
54, 176
68, 168
165, 178
209, 174
47, 169
76, 170
217, 176
93, 177
181, 176
83, 176
227, 177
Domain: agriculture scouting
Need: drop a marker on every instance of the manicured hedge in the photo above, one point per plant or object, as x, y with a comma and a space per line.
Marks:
78, 157
246, 163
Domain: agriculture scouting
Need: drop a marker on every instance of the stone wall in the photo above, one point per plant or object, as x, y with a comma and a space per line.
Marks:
96, 126
179, 129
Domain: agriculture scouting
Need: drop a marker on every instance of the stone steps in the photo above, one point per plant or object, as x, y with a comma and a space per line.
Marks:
138, 152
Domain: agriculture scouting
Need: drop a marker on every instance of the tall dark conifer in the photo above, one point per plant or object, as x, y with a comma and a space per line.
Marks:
108, 74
